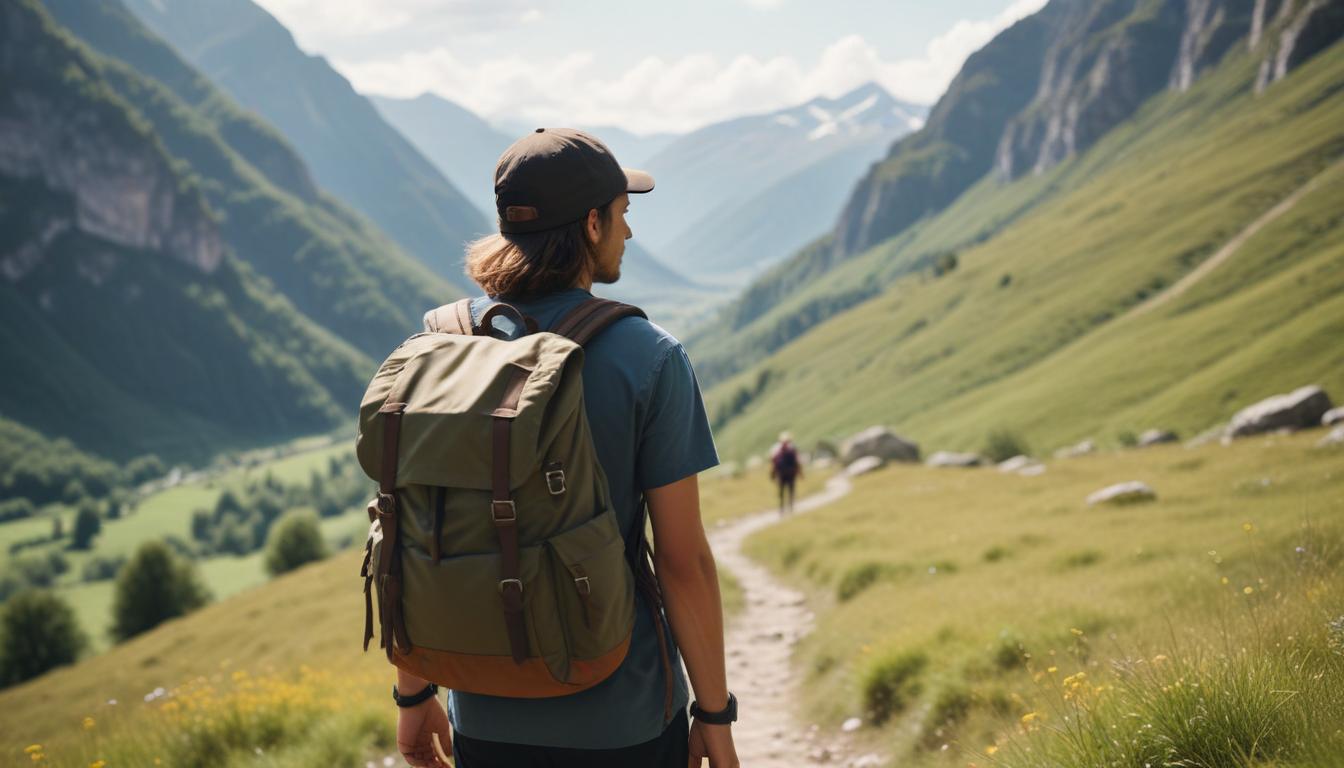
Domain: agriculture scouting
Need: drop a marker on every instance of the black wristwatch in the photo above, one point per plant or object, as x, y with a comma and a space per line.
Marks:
725, 716
415, 698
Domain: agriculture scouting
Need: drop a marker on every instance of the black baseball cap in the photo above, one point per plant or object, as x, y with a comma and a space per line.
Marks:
554, 176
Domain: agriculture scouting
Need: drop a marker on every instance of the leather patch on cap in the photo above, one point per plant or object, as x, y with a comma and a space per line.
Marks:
521, 213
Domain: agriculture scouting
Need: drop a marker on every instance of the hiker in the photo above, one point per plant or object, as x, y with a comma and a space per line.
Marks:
562, 199
785, 469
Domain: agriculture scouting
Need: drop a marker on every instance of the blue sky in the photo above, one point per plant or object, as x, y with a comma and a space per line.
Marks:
645, 66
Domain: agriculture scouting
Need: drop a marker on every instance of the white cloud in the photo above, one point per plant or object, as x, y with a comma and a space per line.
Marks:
657, 94
320, 25
765, 5
532, 16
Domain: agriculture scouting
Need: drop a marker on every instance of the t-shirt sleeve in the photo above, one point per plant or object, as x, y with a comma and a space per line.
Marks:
675, 441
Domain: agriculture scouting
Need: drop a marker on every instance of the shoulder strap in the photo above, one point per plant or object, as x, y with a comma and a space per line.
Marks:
583, 323
450, 318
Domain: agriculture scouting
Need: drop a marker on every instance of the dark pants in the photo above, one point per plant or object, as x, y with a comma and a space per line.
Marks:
670, 750
786, 487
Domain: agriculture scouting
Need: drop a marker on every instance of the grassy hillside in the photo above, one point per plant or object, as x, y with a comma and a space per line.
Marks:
952, 604
281, 645
1029, 331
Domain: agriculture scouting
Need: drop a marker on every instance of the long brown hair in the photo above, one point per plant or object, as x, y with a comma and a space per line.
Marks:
524, 266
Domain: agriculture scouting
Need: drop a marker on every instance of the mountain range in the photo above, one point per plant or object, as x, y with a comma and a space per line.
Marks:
988, 273
350, 149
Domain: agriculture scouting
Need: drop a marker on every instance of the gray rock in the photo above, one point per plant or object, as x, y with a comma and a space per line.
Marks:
1073, 451
1157, 437
1016, 463
1123, 493
1210, 435
1032, 470
1301, 408
950, 459
851, 725
1332, 417
1336, 437
863, 465
880, 442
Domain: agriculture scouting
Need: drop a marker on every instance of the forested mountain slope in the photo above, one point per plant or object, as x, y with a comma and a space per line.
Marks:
127, 323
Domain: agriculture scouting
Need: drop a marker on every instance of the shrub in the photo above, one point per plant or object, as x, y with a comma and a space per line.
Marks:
860, 577
1083, 558
101, 568
890, 684
144, 468
154, 586
296, 540
87, 525
1003, 445
996, 553
74, 492
38, 632
16, 509
1009, 652
1127, 439
950, 706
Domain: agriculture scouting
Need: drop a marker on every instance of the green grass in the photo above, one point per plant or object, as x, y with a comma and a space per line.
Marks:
1051, 356
1071, 589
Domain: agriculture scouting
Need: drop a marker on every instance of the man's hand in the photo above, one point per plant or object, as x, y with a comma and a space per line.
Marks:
714, 742
416, 728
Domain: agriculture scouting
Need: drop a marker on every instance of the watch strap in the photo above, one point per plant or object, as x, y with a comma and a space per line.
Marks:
415, 698
725, 716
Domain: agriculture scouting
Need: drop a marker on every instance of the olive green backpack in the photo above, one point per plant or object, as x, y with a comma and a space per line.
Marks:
494, 553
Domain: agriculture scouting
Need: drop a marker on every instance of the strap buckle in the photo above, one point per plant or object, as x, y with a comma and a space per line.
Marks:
555, 481
496, 506
517, 582
582, 584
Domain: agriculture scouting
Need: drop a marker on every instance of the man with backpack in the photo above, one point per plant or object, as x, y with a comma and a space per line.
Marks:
785, 469
561, 199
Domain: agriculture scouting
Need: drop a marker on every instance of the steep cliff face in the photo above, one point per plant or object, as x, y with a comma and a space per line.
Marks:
928, 169
1051, 86
122, 185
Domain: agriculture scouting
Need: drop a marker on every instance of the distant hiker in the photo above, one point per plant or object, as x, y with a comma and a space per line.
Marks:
561, 199
785, 469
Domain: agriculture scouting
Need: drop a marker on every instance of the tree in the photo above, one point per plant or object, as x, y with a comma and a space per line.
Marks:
38, 632
295, 540
154, 586
87, 525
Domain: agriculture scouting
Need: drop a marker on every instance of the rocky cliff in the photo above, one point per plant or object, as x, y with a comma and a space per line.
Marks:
1052, 85
121, 184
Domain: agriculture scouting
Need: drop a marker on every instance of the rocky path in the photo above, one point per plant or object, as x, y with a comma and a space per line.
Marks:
759, 645
1232, 246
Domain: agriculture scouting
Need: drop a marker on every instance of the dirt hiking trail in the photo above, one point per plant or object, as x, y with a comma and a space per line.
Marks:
759, 644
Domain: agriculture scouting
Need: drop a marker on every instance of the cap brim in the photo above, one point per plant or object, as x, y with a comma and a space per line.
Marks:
637, 181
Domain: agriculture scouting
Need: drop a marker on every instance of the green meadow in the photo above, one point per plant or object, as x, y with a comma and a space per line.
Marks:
972, 615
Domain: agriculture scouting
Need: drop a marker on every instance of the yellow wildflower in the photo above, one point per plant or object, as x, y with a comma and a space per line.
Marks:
1247, 589
98, 764
1224, 580
991, 749
88, 723
1029, 717
31, 748
1247, 527
1052, 670
1159, 658
1077, 632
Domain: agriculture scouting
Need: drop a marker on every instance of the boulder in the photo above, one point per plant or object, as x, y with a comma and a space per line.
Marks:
1016, 463
863, 465
1332, 417
1301, 408
1123, 493
880, 442
1157, 437
1081, 449
950, 459
1336, 437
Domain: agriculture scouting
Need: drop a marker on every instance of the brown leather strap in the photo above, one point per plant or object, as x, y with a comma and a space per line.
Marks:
485, 327
647, 582
463, 311
368, 599
505, 516
583, 323
392, 623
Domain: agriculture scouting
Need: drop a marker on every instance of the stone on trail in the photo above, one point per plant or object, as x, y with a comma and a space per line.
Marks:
863, 466
851, 725
880, 442
1016, 463
1336, 437
1073, 451
1332, 417
950, 459
1123, 493
1303, 407
1157, 437
866, 761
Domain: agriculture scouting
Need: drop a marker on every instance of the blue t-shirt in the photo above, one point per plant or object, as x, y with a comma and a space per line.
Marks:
649, 429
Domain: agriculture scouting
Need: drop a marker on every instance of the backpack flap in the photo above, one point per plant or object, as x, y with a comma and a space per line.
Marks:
454, 388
